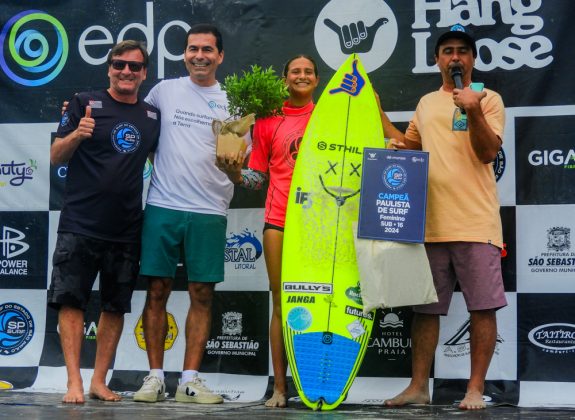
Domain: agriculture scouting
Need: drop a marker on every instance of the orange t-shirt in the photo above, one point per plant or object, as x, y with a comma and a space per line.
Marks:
462, 202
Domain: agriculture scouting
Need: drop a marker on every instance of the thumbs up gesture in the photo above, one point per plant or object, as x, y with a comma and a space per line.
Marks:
86, 126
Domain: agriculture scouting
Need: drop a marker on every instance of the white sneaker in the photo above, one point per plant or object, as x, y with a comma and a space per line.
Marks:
153, 390
195, 391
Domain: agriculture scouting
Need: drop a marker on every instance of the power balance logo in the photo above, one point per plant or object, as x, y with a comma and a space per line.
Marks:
13, 245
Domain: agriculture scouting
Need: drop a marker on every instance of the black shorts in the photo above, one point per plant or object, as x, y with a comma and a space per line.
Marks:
274, 227
76, 262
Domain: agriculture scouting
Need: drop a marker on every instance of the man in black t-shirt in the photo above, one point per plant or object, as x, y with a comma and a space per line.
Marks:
106, 137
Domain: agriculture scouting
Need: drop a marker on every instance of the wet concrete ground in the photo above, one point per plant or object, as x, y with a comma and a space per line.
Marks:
27, 405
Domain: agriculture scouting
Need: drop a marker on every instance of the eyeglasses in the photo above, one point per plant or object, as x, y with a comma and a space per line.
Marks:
134, 66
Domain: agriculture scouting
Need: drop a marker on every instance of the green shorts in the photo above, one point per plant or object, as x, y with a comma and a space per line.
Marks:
168, 233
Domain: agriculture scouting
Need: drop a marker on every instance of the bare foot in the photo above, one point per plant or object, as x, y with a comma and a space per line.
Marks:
102, 392
75, 395
407, 397
473, 401
278, 400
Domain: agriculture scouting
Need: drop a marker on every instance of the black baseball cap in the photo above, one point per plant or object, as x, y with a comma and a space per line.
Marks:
459, 32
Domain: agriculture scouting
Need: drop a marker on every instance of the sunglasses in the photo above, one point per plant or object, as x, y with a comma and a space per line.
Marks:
135, 66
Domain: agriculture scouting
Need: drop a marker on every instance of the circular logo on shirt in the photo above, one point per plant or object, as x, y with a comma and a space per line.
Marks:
16, 328
394, 177
125, 138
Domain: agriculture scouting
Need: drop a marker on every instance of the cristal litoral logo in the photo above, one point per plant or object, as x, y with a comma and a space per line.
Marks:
243, 250
36, 46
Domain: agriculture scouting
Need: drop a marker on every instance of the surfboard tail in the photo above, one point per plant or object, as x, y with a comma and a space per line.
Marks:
324, 365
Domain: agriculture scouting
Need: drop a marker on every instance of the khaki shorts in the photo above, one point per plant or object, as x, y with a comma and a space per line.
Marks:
475, 266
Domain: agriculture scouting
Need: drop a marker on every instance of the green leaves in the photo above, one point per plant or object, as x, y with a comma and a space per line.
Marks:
257, 91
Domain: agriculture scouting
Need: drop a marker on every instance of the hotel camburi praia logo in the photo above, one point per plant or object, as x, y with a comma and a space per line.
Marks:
33, 48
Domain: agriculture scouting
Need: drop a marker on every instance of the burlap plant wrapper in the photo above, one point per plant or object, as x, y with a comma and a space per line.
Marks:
393, 274
230, 135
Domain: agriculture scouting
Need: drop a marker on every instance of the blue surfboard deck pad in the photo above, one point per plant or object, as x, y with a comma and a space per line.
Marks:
325, 362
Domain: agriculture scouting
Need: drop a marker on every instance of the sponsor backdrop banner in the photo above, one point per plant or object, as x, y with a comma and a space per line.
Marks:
51, 50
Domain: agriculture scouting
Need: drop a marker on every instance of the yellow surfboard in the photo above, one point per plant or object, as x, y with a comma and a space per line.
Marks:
325, 330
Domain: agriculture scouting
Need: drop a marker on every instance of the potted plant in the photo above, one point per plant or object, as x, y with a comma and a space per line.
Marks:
257, 93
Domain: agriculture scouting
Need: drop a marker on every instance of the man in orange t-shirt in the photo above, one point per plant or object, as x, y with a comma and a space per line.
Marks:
461, 126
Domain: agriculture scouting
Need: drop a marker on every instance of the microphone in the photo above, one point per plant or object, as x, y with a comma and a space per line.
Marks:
456, 74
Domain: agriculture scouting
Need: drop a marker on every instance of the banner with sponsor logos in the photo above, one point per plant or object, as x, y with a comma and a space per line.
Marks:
49, 52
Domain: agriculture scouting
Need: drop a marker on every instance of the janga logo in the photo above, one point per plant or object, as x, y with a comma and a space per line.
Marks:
33, 48
16, 328
243, 250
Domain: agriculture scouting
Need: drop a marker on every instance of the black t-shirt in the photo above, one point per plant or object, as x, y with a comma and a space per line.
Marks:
104, 183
